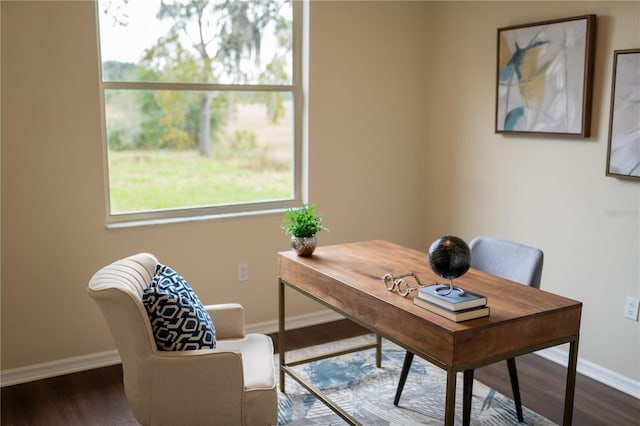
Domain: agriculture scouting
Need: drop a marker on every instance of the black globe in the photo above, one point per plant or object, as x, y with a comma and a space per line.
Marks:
449, 257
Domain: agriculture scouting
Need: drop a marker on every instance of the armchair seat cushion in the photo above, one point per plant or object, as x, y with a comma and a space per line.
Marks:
178, 319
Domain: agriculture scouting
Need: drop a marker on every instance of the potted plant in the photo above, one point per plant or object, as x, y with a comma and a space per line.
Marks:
303, 224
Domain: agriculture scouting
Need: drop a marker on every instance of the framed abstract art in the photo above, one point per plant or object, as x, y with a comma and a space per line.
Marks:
623, 154
544, 77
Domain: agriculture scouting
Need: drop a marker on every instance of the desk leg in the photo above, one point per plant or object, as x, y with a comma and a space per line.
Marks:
571, 383
450, 404
379, 351
467, 395
281, 331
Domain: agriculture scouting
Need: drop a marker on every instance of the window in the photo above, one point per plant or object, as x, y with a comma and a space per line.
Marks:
202, 106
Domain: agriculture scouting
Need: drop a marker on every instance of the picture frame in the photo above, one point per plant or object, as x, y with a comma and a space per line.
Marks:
544, 77
623, 151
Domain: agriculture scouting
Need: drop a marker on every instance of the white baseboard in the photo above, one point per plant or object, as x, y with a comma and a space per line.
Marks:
60, 367
31, 373
298, 321
46, 370
594, 371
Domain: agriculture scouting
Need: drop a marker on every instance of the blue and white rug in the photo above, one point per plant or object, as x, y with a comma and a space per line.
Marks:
366, 392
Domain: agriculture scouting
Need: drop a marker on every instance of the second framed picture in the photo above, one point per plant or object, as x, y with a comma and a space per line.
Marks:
544, 77
623, 154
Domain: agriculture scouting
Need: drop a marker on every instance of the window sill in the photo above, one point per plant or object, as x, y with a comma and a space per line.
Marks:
137, 223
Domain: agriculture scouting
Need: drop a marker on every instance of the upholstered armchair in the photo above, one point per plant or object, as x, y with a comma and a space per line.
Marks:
233, 384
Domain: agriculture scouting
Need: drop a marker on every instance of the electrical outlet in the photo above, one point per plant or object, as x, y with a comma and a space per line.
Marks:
243, 272
631, 308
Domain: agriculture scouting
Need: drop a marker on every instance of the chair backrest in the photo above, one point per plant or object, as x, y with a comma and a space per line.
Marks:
117, 289
506, 259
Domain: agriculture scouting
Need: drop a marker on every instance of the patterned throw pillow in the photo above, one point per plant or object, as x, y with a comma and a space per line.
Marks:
178, 319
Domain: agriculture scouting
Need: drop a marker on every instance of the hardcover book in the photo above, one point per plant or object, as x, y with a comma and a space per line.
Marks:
456, 316
454, 301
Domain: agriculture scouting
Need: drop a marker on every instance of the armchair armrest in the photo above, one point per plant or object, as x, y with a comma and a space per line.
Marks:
228, 319
189, 379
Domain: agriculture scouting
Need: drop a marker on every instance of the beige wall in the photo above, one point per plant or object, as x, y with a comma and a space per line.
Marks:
401, 148
549, 192
53, 217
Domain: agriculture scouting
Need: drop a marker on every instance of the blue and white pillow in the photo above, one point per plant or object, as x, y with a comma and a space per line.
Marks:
178, 319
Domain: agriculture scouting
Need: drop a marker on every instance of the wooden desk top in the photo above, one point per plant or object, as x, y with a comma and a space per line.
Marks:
348, 278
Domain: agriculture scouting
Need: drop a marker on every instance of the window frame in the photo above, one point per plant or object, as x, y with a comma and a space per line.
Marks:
300, 164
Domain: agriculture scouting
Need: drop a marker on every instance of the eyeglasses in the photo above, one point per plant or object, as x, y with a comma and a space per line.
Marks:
401, 286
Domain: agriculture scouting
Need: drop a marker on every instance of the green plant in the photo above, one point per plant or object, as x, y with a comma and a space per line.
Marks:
303, 221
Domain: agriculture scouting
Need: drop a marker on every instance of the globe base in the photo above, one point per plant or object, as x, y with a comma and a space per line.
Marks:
447, 289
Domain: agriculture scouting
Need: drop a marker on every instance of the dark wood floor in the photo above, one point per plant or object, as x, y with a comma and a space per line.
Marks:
96, 397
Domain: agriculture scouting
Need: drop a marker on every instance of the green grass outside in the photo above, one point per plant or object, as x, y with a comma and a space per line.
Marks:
156, 180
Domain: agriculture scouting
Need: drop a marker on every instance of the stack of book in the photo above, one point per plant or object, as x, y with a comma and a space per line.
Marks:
454, 306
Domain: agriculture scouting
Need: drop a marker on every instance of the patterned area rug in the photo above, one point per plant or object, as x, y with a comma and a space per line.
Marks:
366, 392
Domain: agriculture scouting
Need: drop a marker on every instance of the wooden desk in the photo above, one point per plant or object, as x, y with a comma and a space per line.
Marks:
347, 279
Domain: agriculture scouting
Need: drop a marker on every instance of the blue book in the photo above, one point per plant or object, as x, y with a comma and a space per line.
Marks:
454, 301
